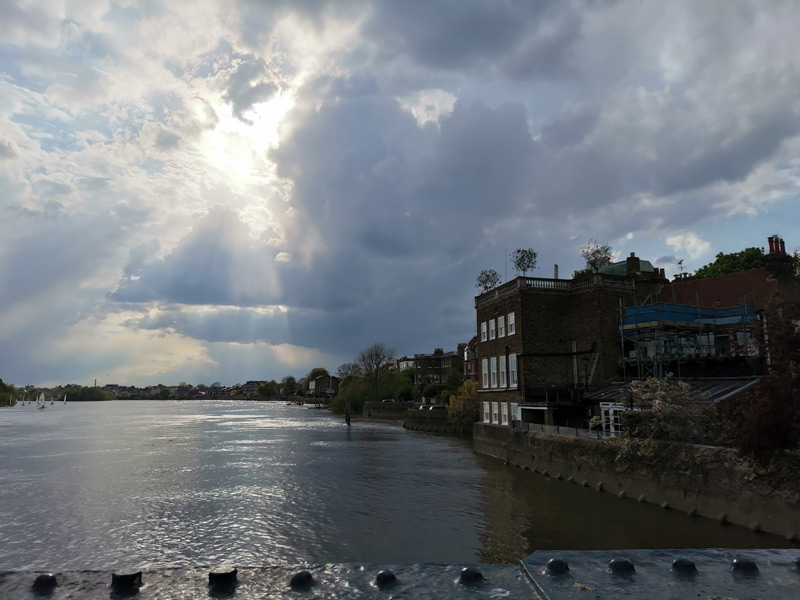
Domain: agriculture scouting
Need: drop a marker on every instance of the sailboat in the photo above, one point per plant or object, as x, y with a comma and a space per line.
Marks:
65, 398
41, 402
51, 399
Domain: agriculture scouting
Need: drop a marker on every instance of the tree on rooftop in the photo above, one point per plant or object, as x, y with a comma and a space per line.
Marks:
487, 280
596, 255
524, 260
749, 258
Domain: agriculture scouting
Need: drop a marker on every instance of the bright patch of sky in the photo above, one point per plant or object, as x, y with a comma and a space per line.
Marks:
224, 191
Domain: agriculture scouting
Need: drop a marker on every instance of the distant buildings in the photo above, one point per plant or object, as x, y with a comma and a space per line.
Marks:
435, 367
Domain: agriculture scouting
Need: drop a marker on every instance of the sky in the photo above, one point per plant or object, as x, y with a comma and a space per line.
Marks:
234, 190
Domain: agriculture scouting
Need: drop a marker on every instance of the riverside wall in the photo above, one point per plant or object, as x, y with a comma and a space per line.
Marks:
434, 421
386, 411
699, 480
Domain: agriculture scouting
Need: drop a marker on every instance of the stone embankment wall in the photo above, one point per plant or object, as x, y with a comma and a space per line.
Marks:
388, 411
434, 421
699, 480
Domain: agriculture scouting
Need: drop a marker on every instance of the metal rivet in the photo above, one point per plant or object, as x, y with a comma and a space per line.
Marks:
621, 566
45, 582
302, 580
557, 566
744, 566
385, 578
471, 575
127, 581
683, 565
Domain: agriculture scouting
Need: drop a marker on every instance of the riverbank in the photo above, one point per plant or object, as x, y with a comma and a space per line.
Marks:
698, 480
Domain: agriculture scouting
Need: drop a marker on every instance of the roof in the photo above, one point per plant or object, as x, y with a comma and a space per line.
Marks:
701, 390
621, 268
722, 291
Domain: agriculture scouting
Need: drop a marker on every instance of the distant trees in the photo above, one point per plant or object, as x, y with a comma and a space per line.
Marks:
524, 260
268, 389
347, 369
288, 385
373, 363
487, 280
164, 393
749, 258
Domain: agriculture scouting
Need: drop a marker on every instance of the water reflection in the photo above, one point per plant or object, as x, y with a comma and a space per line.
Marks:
166, 484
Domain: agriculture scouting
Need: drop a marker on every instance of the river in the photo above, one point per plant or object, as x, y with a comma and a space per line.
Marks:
148, 484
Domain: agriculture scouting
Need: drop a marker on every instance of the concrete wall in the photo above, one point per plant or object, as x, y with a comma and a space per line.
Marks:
699, 480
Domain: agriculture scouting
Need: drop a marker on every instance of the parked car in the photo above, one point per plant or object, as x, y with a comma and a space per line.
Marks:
438, 407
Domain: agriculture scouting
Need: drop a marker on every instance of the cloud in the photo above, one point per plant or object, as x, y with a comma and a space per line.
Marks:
690, 242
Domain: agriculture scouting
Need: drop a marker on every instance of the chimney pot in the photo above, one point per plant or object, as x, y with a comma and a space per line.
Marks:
783, 247
633, 254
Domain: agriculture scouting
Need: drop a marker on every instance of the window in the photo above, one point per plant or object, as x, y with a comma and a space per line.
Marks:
483, 331
485, 365
516, 412
494, 371
486, 412
502, 371
446, 363
501, 327
505, 413
512, 370
494, 412
491, 329
511, 326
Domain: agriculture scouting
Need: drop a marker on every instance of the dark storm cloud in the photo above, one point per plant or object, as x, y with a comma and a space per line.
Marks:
249, 84
216, 263
523, 39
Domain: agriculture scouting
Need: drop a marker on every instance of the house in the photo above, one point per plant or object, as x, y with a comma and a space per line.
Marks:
435, 367
551, 349
470, 361
324, 386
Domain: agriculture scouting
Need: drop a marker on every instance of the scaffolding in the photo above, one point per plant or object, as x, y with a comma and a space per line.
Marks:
659, 337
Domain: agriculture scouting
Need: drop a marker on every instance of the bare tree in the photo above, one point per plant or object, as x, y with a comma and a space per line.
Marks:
524, 260
596, 255
347, 369
374, 363
487, 280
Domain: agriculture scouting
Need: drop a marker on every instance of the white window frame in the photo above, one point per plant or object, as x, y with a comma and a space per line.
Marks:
485, 372
501, 327
512, 326
512, 370
516, 412
504, 414
503, 372
483, 331
493, 363
486, 412
495, 417
492, 331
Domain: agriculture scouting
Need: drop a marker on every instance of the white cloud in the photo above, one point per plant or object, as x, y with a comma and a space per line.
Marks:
690, 242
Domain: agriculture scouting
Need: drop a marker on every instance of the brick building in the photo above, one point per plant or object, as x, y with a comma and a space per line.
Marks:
543, 342
547, 348
438, 365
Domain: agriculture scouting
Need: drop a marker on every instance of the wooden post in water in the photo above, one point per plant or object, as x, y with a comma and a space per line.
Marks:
347, 411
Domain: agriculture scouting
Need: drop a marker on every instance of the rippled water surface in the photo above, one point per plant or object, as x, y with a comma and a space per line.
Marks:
178, 484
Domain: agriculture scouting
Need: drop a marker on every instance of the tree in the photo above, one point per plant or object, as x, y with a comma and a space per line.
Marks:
268, 389
374, 363
596, 256
312, 375
487, 280
669, 413
453, 380
749, 258
765, 424
288, 385
353, 393
347, 369
524, 260
163, 393
403, 385
464, 406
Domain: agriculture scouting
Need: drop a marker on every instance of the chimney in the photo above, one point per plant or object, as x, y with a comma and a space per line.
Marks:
633, 266
555, 272
770, 239
783, 246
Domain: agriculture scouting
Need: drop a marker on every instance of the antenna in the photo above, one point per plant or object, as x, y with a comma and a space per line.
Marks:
680, 265
506, 261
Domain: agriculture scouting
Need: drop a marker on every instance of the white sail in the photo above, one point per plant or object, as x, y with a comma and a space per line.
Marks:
65, 398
